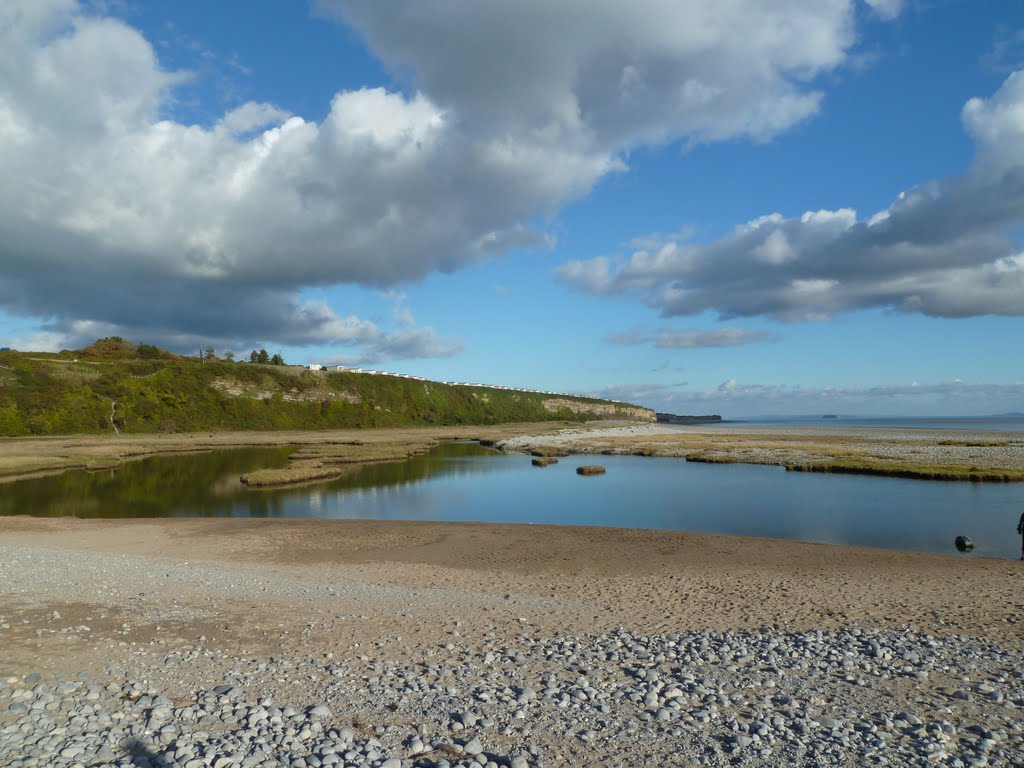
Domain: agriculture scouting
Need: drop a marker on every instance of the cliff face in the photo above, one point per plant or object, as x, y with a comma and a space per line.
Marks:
600, 410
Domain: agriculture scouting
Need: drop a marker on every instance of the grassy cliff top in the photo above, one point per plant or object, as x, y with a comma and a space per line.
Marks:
113, 385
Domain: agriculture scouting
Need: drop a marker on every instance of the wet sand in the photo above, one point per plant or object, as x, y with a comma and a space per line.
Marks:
421, 576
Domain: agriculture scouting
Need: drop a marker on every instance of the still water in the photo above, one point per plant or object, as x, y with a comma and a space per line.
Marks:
465, 482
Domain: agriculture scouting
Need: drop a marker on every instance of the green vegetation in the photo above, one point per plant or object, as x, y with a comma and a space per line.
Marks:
914, 471
547, 450
707, 458
147, 390
975, 443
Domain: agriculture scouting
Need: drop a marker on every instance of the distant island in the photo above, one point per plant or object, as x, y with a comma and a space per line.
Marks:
671, 418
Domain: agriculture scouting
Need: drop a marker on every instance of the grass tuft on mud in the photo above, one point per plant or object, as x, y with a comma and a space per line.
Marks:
914, 471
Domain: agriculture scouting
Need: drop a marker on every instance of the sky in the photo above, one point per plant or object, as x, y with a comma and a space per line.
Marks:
738, 207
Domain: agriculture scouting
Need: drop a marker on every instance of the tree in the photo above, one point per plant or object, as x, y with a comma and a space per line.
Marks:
210, 354
263, 357
149, 352
277, 360
229, 356
254, 357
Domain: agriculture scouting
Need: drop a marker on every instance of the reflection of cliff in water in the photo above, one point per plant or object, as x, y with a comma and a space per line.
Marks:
206, 484
197, 484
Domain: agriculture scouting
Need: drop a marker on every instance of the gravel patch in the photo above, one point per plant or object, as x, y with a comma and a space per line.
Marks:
850, 697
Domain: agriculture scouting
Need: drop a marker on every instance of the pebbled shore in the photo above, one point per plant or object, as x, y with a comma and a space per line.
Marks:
347, 643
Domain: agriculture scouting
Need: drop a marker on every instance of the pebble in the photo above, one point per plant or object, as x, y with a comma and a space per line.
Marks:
702, 698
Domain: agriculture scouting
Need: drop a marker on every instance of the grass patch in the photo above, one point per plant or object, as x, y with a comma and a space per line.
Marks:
590, 469
976, 443
547, 450
705, 458
915, 471
646, 450
544, 461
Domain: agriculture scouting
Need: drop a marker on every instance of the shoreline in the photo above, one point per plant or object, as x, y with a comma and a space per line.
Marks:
452, 623
941, 454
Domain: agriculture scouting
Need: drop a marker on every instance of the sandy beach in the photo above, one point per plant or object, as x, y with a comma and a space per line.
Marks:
310, 610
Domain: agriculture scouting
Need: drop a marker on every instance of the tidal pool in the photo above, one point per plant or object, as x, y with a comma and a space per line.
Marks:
466, 482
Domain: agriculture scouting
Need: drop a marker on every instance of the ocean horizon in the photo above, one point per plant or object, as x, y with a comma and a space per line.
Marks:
1005, 423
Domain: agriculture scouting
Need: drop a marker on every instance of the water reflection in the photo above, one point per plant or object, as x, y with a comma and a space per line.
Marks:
464, 482
198, 484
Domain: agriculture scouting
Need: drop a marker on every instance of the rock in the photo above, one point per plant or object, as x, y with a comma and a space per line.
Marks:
590, 469
964, 543
742, 741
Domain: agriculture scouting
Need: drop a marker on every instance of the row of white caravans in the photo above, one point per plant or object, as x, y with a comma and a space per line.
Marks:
343, 369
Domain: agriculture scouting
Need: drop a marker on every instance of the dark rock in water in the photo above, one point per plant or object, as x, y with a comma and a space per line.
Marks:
590, 469
544, 461
964, 543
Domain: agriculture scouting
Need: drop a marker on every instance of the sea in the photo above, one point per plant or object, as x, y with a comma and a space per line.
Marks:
1012, 423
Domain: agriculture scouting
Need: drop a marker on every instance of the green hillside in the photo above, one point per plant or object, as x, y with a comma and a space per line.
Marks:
146, 390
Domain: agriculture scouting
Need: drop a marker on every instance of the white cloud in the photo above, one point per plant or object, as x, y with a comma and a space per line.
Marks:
115, 213
610, 74
638, 393
943, 248
887, 9
668, 338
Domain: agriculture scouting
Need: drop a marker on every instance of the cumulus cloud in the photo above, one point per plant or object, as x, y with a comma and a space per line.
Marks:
614, 74
667, 338
287, 323
402, 345
115, 213
943, 248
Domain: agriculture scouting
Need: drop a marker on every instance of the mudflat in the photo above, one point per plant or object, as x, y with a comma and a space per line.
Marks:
22, 457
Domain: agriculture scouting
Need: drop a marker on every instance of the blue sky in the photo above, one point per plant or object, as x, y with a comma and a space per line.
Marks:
747, 208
